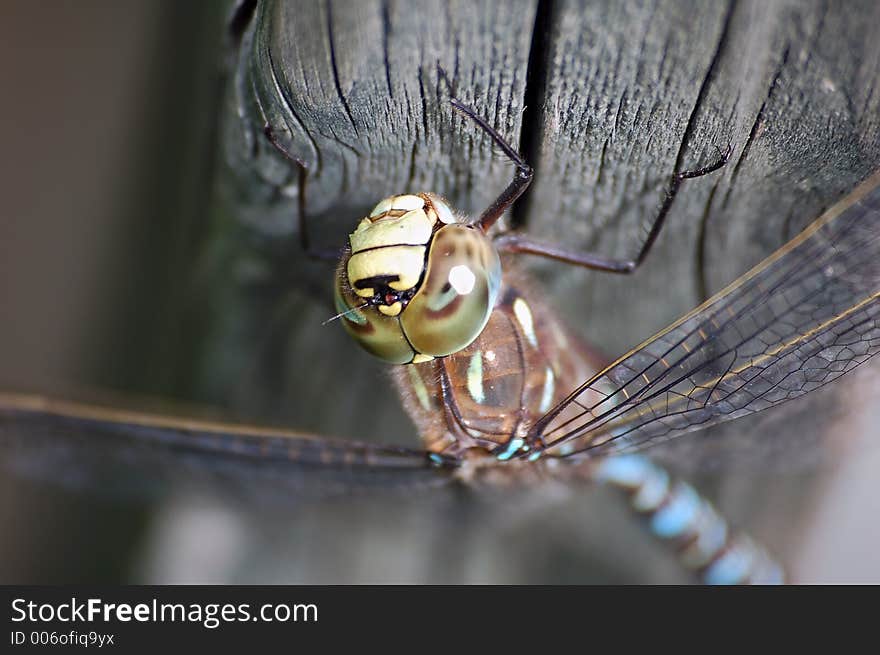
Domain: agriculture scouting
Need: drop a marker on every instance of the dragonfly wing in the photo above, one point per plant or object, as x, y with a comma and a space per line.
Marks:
123, 452
797, 321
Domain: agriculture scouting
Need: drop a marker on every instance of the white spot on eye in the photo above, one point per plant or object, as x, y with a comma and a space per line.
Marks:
490, 355
462, 279
524, 316
475, 377
549, 388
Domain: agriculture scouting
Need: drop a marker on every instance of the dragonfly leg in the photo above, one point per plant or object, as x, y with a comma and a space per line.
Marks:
325, 254
680, 517
521, 178
521, 243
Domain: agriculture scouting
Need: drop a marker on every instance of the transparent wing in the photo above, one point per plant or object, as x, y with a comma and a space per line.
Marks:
800, 319
125, 452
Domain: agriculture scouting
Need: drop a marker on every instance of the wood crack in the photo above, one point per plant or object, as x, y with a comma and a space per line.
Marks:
531, 130
704, 88
386, 37
756, 125
334, 67
288, 103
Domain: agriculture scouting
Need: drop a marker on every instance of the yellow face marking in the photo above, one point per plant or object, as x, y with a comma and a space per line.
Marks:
390, 310
524, 317
475, 377
403, 261
419, 358
412, 228
407, 202
397, 203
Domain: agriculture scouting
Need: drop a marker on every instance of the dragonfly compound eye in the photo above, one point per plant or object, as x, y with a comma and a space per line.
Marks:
416, 283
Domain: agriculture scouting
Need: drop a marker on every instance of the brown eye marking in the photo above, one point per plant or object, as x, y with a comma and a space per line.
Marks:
449, 309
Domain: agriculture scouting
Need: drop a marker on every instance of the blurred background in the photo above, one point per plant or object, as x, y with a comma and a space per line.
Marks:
106, 170
109, 179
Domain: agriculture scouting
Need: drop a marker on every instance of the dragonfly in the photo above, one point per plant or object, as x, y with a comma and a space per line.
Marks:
517, 396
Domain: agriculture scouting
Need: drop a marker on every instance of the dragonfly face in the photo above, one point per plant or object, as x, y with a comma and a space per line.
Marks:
415, 283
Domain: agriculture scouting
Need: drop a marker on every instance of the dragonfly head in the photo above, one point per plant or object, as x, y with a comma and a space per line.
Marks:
416, 282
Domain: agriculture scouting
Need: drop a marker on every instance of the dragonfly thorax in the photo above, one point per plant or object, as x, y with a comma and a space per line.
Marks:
416, 283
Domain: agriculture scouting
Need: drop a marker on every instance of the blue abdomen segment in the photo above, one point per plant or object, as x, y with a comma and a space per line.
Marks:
678, 515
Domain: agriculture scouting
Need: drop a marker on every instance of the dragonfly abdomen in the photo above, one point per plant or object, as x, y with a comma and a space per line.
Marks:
678, 515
